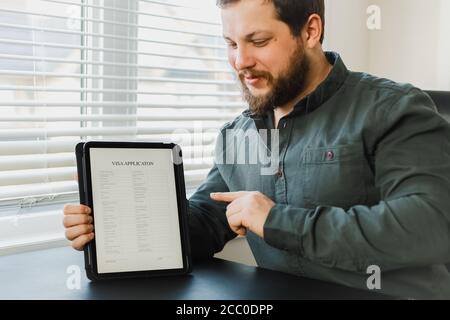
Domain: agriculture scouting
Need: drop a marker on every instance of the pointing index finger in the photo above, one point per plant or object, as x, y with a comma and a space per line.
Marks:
227, 196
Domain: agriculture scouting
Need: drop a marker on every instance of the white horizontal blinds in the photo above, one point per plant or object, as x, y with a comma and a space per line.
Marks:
74, 70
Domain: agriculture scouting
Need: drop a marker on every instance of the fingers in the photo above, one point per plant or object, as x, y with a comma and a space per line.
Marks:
78, 223
74, 232
228, 196
233, 208
81, 241
71, 220
76, 209
235, 223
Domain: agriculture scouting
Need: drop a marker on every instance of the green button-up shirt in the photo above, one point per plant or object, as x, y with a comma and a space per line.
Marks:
361, 177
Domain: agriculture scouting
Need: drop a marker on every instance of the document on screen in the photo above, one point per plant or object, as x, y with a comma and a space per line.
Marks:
134, 200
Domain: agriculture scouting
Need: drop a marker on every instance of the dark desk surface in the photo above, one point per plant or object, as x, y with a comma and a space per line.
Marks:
43, 275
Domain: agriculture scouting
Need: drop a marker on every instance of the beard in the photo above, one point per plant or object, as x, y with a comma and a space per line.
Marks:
285, 88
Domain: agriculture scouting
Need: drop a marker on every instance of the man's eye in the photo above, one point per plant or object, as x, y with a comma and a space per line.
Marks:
260, 43
232, 45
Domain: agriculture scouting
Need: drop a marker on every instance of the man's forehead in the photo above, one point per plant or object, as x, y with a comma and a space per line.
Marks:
248, 18
253, 9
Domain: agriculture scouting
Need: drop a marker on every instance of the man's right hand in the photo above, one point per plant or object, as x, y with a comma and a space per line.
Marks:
78, 223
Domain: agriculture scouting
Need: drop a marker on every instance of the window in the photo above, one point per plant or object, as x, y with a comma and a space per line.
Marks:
74, 70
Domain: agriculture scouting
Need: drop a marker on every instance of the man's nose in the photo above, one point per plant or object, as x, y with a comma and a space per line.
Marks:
244, 59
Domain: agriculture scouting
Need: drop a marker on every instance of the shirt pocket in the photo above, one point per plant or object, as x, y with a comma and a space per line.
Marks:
335, 175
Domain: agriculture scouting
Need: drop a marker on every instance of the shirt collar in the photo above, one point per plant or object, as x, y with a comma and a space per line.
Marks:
322, 93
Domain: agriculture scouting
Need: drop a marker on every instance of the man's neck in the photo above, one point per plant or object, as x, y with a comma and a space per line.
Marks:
318, 73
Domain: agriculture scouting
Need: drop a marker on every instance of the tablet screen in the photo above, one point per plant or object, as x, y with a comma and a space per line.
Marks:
135, 210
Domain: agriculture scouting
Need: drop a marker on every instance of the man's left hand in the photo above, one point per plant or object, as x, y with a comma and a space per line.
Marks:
246, 210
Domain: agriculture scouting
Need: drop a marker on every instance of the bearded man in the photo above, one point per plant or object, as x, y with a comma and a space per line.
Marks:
362, 163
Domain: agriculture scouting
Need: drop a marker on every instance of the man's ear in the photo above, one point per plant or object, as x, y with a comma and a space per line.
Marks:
312, 31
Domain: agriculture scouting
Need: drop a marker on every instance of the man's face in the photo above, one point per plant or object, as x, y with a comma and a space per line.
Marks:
269, 61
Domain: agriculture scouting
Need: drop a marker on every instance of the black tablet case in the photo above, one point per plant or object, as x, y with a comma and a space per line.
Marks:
88, 251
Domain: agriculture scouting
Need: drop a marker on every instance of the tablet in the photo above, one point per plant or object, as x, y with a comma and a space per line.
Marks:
137, 195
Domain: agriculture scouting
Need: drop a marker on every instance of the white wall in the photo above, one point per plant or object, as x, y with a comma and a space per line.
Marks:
412, 46
408, 47
443, 76
346, 32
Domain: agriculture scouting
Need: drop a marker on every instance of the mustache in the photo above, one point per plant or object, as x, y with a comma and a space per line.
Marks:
253, 74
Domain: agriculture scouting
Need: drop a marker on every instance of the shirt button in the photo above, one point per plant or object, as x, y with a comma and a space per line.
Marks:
330, 155
280, 173
284, 125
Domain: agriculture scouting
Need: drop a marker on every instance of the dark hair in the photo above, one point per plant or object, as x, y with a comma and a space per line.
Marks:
294, 13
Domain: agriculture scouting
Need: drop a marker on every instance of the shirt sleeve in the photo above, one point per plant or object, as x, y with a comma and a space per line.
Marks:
209, 230
409, 227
